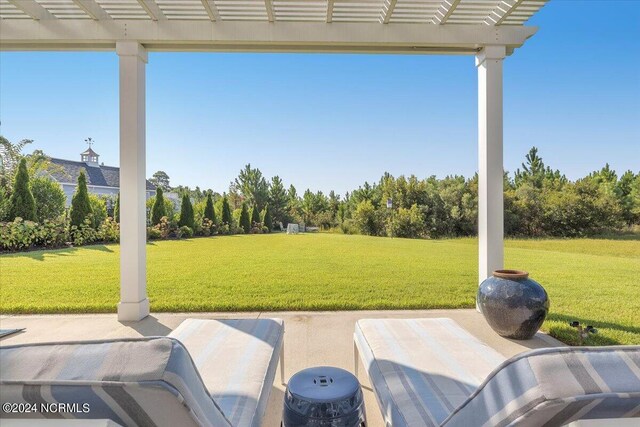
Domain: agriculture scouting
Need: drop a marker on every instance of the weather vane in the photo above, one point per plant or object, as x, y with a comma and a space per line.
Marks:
89, 141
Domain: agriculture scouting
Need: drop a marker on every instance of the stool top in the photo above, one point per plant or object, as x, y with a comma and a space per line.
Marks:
323, 384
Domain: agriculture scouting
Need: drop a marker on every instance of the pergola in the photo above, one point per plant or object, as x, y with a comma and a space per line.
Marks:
488, 29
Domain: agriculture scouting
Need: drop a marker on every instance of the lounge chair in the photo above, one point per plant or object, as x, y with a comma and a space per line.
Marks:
431, 372
205, 373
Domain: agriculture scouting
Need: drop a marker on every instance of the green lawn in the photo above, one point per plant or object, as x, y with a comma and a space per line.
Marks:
594, 281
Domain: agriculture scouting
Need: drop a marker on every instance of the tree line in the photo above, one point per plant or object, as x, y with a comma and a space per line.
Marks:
538, 202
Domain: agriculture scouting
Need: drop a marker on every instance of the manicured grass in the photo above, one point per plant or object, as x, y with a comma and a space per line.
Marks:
593, 281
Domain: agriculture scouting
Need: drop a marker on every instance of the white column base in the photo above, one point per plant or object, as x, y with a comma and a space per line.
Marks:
133, 311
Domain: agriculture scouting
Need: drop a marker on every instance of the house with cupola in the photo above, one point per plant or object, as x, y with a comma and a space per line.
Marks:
101, 180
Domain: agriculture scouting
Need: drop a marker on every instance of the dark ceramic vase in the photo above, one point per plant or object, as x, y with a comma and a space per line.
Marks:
513, 305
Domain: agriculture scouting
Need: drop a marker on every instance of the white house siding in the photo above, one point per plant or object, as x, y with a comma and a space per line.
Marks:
70, 189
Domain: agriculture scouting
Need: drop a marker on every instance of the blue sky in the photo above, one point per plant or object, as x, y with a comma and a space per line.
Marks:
333, 121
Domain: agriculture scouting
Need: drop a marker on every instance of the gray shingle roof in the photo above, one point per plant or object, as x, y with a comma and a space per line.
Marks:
106, 176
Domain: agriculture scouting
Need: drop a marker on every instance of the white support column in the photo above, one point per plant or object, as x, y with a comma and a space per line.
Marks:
134, 304
490, 173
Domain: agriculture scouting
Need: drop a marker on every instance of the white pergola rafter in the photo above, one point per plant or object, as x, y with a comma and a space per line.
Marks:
502, 12
473, 30
152, 9
93, 9
33, 9
449, 12
386, 14
268, 5
212, 10
445, 10
330, 11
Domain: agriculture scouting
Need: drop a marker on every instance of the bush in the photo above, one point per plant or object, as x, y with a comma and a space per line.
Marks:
80, 204
109, 231
207, 228
84, 234
228, 229
5, 203
22, 235
116, 209
255, 216
49, 198
406, 223
581, 209
158, 210
17, 235
348, 226
153, 233
267, 220
52, 233
184, 231
162, 230
22, 202
244, 222
186, 213
366, 219
98, 210
224, 229
197, 229
198, 211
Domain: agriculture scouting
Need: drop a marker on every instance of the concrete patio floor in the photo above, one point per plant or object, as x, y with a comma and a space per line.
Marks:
311, 338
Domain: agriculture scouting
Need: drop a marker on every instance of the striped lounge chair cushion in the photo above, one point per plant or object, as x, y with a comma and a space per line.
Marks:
427, 372
422, 369
555, 386
134, 382
237, 359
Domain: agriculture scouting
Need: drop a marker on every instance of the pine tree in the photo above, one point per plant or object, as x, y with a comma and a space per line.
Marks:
22, 202
533, 170
186, 213
245, 222
267, 221
278, 200
209, 212
158, 210
80, 204
252, 185
226, 211
116, 209
255, 216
